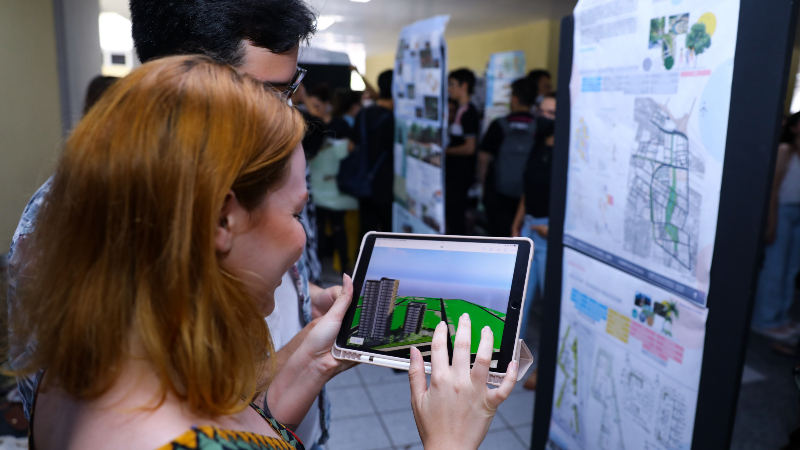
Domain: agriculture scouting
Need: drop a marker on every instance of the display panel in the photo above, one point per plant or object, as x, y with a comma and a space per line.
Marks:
628, 361
410, 285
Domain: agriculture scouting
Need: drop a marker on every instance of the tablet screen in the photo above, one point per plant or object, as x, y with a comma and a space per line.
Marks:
411, 285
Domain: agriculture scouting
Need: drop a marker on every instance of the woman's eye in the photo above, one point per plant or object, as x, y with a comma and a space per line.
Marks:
297, 216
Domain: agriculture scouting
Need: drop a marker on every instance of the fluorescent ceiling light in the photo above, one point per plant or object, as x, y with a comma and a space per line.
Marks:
115, 32
359, 1
324, 22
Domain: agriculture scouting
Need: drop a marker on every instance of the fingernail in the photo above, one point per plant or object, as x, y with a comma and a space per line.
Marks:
465, 316
441, 324
487, 328
346, 279
413, 354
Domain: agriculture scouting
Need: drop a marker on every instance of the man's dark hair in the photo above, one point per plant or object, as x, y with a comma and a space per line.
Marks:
533, 78
97, 87
464, 76
217, 28
522, 90
385, 84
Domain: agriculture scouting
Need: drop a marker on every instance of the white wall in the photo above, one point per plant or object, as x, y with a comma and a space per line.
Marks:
30, 121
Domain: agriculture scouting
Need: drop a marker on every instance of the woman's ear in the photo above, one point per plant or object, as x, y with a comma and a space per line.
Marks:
228, 223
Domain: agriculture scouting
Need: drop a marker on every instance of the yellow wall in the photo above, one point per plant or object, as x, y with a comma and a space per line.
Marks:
30, 122
539, 41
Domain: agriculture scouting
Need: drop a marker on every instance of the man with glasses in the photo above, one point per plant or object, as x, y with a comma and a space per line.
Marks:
260, 38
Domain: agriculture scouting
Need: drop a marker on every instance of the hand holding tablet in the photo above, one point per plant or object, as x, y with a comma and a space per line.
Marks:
457, 409
405, 285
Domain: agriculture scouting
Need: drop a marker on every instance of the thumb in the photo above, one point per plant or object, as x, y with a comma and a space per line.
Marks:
416, 375
342, 302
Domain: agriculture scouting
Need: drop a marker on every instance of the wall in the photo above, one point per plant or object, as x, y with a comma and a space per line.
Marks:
539, 41
80, 57
30, 122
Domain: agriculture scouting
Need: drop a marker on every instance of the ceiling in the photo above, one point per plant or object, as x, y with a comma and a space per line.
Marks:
376, 24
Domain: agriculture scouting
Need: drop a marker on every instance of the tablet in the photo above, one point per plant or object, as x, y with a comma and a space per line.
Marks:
405, 284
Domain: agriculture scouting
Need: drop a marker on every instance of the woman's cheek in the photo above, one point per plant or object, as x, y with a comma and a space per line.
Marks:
300, 240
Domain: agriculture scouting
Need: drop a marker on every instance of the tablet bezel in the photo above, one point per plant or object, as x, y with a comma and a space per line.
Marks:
516, 302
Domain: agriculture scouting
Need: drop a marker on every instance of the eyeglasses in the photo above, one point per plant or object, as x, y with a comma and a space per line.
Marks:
289, 91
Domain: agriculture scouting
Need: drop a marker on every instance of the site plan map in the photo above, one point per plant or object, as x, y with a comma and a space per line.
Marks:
650, 93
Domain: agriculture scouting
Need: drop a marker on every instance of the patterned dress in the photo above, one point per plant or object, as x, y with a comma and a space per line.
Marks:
213, 438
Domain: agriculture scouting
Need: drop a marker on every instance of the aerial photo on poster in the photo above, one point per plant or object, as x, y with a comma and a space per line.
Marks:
408, 291
420, 127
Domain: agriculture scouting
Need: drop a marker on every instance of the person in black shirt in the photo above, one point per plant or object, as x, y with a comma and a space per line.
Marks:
459, 167
541, 83
502, 161
531, 220
376, 212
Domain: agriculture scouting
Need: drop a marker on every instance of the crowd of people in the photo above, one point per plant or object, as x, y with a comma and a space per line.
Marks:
163, 282
509, 164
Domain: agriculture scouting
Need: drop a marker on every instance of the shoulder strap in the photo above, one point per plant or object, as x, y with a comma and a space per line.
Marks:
286, 434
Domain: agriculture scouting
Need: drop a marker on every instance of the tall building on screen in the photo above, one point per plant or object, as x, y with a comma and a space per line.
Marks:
415, 312
377, 308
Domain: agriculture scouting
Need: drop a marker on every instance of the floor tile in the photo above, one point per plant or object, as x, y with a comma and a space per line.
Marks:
497, 424
391, 397
372, 374
504, 439
402, 428
345, 379
518, 408
412, 447
524, 434
363, 433
349, 402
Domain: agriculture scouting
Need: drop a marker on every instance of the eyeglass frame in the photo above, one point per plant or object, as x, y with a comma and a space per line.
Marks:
287, 93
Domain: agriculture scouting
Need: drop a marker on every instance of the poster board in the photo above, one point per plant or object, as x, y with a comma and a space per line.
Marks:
504, 68
420, 111
745, 184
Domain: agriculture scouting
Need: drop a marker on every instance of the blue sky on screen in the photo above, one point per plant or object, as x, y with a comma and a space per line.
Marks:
482, 278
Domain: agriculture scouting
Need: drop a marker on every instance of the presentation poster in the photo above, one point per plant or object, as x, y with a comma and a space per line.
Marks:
420, 110
628, 362
650, 91
504, 69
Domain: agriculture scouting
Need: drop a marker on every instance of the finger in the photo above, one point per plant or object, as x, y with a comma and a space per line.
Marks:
480, 370
342, 302
499, 395
440, 361
336, 291
416, 375
461, 347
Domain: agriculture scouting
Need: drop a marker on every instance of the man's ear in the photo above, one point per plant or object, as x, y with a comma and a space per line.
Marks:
228, 222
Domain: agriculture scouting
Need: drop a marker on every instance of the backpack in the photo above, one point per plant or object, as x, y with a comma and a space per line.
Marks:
355, 175
509, 165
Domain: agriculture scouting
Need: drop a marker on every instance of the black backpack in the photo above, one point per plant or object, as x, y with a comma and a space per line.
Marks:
355, 175
509, 165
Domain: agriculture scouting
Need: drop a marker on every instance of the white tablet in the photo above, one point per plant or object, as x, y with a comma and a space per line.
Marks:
405, 284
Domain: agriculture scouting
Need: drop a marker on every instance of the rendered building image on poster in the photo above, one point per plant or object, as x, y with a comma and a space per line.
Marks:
421, 120
407, 292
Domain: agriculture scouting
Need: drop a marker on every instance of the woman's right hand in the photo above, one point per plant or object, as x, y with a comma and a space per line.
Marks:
455, 412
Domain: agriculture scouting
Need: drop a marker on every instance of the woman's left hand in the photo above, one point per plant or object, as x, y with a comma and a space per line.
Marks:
323, 299
319, 342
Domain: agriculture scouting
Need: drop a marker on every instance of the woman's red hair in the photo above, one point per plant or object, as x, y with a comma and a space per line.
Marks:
124, 245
